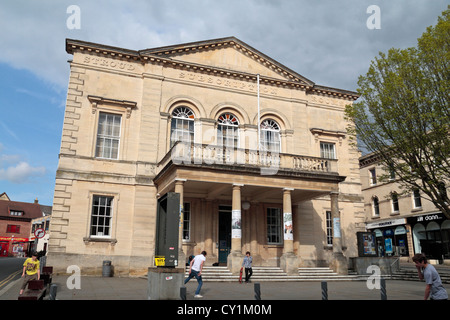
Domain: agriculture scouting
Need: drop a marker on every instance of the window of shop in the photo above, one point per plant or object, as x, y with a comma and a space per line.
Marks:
392, 241
418, 235
401, 242
432, 238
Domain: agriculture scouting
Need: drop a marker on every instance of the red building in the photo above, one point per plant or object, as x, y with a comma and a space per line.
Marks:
15, 225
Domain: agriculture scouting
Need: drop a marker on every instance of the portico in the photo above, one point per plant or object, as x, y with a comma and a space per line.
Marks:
212, 191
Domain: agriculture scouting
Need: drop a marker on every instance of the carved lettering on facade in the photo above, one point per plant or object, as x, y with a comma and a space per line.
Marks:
102, 62
328, 101
236, 84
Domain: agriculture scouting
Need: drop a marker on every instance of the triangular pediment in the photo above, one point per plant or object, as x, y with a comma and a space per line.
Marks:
225, 56
230, 54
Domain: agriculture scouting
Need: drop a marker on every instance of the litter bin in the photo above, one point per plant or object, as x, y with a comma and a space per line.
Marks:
106, 272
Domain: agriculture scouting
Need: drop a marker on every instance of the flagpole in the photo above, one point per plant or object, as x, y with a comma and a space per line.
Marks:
259, 116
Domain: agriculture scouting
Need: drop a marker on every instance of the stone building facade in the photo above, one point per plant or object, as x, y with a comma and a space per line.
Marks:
258, 153
404, 223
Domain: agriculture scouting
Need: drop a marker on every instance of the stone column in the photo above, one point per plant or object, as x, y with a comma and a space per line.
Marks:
179, 188
235, 257
339, 262
289, 261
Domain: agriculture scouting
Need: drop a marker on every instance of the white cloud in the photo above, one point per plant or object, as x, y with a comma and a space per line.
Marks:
327, 41
23, 172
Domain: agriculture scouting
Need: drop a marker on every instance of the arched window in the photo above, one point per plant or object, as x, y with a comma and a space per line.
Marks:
182, 126
228, 130
418, 234
394, 201
375, 207
270, 136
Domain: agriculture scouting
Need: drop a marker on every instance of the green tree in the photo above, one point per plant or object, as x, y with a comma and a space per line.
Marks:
403, 113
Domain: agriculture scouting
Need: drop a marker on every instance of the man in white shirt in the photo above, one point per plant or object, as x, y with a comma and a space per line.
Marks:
195, 270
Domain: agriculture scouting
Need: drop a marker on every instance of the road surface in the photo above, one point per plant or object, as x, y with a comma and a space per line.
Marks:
10, 270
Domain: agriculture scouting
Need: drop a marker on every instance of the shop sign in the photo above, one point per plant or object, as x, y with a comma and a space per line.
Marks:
14, 239
387, 223
429, 217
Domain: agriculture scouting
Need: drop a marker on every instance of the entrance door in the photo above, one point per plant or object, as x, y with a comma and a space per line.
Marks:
224, 233
4, 248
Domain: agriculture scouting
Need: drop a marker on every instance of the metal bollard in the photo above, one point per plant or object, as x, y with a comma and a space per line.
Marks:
183, 293
52, 295
324, 290
383, 289
257, 291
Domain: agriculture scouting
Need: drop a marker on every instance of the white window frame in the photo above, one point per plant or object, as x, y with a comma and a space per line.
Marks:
101, 136
231, 129
415, 196
327, 150
372, 176
375, 208
395, 205
182, 116
270, 138
98, 215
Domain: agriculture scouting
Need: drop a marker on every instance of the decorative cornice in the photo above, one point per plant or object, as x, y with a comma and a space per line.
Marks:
318, 132
328, 132
128, 105
162, 56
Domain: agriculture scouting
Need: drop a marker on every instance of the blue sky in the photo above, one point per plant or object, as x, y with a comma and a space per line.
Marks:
326, 41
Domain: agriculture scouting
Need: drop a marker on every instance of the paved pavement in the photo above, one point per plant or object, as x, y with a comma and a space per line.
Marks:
133, 288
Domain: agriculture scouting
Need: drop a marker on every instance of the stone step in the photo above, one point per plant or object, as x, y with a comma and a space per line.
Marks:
222, 274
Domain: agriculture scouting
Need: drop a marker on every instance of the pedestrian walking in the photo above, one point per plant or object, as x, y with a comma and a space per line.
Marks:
247, 264
195, 270
31, 271
434, 289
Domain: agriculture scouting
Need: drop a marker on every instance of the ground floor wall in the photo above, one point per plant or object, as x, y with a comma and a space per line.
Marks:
129, 242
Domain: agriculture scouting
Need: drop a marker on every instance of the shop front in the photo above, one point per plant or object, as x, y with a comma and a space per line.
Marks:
431, 235
13, 246
391, 237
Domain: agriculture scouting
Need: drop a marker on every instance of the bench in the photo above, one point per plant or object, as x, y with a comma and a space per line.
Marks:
46, 275
35, 290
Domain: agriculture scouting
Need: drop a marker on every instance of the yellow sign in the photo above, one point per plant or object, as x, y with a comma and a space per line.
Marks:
160, 261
